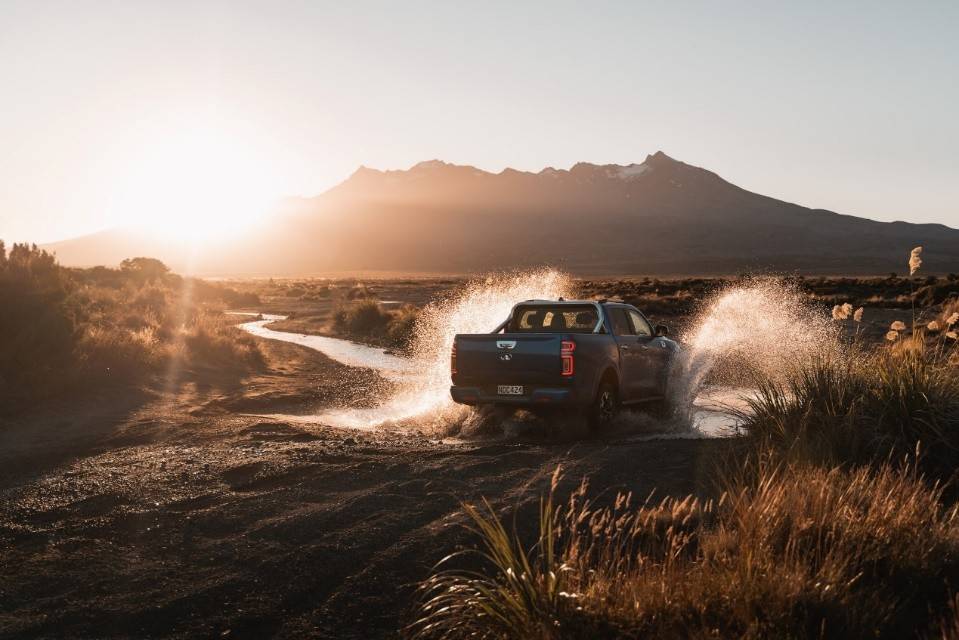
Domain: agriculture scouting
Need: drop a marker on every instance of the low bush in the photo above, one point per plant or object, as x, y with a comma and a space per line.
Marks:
402, 326
39, 325
367, 321
67, 328
213, 339
361, 318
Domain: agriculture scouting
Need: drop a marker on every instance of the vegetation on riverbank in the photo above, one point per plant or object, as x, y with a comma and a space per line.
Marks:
367, 321
864, 407
312, 302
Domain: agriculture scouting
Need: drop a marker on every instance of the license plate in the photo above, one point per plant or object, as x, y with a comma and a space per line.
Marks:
509, 390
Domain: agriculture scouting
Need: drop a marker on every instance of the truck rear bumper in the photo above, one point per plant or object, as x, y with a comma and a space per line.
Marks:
539, 397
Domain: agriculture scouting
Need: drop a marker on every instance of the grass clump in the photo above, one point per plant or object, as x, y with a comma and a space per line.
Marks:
362, 317
792, 551
862, 408
365, 320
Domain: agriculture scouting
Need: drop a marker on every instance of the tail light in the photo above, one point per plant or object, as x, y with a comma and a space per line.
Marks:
566, 355
453, 360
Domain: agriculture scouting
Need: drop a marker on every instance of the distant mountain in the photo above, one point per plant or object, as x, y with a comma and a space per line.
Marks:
659, 217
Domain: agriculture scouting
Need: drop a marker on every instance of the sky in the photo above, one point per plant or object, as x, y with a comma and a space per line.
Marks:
162, 113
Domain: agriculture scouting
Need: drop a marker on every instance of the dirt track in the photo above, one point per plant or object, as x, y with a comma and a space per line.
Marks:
180, 514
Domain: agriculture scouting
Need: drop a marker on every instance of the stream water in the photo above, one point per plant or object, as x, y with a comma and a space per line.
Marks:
709, 415
349, 353
753, 330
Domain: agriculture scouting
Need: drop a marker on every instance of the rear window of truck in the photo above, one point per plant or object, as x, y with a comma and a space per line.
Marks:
553, 319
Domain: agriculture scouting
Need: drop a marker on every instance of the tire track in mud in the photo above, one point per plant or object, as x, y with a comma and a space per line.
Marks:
375, 598
224, 523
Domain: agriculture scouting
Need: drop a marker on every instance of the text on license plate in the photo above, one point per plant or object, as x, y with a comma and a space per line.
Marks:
509, 390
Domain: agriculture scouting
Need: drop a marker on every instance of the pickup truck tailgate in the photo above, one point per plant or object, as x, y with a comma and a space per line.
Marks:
508, 358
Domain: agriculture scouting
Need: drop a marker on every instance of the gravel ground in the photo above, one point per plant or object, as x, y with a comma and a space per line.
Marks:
175, 511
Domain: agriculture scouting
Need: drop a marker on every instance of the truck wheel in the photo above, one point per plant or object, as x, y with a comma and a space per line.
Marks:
605, 406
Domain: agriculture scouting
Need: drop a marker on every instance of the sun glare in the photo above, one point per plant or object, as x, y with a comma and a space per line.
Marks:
196, 186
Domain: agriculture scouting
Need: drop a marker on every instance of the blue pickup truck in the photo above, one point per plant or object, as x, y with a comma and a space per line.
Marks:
594, 355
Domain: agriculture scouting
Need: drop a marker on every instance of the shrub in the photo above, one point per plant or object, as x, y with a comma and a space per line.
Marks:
144, 269
401, 326
66, 328
362, 318
38, 325
208, 292
213, 339
366, 320
106, 352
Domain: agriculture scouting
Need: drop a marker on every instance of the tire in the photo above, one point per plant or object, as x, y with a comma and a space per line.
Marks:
665, 407
604, 408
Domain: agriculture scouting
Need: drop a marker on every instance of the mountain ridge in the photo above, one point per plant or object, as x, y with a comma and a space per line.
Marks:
655, 217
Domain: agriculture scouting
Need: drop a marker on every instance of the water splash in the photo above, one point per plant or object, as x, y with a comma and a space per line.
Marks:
744, 332
421, 399
762, 329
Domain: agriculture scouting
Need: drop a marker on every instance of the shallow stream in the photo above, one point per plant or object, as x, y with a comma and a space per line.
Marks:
710, 415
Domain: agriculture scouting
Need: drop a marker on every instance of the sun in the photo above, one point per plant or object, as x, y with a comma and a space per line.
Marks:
196, 185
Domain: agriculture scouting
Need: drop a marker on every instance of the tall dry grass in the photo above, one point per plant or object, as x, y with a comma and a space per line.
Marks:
863, 407
792, 552
136, 326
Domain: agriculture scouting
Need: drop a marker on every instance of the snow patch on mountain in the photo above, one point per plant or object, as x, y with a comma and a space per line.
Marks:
632, 171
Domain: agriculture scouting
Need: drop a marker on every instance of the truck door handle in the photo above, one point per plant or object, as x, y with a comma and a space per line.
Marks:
624, 347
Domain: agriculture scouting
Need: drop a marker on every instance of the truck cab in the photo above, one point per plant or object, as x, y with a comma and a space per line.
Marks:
585, 354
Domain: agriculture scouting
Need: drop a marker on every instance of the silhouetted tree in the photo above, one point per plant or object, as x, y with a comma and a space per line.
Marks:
147, 269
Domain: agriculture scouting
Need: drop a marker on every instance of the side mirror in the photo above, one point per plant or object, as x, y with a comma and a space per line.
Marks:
662, 330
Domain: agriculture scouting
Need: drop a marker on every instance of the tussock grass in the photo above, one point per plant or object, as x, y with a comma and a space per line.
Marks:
361, 317
402, 326
863, 408
792, 551
365, 320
